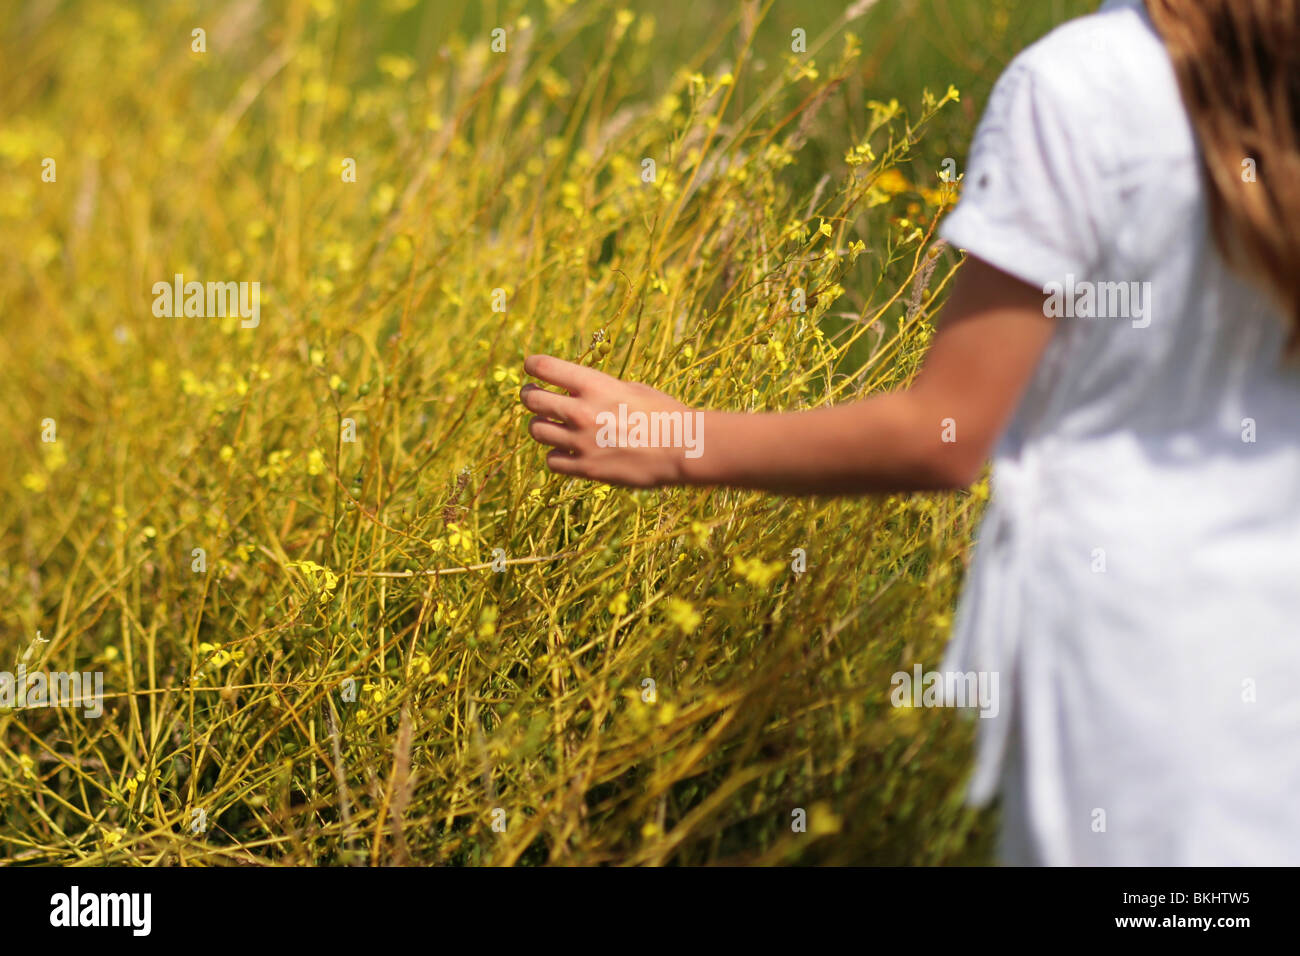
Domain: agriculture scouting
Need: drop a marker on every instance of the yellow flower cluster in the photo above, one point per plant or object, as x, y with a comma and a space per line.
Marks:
683, 615
321, 578
53, 459
217, 656
756, 571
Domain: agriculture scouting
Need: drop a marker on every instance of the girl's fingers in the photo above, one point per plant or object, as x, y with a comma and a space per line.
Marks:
562, 463
568, 375
553, 433
548, 404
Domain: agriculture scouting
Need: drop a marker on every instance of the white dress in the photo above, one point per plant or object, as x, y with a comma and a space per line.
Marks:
1136, 581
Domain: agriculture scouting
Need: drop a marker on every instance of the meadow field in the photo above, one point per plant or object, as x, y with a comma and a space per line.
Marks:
342, 613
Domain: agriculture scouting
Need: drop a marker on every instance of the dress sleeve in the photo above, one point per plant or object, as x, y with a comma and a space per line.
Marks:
1033, 199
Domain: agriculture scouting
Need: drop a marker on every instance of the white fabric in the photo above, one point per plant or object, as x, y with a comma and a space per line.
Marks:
1130, 686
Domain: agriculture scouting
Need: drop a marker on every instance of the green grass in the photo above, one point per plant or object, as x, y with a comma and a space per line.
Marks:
519, 688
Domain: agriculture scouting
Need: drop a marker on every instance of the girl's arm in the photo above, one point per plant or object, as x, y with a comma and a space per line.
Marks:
989, 341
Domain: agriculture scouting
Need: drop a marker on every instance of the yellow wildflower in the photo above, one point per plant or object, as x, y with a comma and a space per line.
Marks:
459, 537
398, 67
487, 621
893, 182
683, 615
321, 578
755, 571
618, 606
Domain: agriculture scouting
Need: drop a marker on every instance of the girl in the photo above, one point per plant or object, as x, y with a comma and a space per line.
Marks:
1118, 340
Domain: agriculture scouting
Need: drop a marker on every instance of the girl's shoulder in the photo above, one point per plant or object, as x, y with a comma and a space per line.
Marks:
1083, 127
1109, 69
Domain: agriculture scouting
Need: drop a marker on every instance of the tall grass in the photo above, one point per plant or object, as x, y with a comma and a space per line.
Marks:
544, 670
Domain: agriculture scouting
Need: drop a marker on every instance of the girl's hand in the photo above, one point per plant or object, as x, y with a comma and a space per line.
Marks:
983, 357
583, 426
